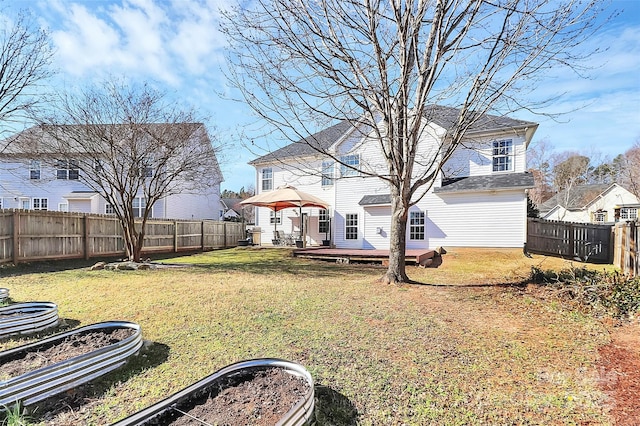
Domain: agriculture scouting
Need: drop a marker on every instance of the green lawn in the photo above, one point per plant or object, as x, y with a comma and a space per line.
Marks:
462, 348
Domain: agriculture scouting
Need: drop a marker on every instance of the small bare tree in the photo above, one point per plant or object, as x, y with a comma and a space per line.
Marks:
384, 64
25, 59
129, 144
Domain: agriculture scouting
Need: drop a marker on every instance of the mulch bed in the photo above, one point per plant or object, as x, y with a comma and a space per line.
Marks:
619, 369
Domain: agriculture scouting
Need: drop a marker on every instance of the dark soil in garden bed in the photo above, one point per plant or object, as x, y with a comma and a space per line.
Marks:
261, 398
72, 346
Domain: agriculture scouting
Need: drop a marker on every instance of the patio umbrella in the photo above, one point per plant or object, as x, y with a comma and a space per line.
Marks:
285, 197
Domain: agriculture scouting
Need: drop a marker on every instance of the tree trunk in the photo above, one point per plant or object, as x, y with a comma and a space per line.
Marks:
397, 242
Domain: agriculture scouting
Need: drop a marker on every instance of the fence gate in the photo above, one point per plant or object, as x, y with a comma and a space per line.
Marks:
585, 242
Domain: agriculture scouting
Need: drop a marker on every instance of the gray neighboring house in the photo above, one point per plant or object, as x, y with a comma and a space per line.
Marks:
478, 200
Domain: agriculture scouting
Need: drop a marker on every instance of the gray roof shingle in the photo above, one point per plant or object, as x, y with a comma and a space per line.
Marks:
486, 183
576, 198
445, 117
377, 199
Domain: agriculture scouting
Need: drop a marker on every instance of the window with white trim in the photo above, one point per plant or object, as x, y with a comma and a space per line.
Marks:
351, 226
139, 204
503, 155
267, 179
323, 221
63, 207
40, 204
600, 216
34, 169
67, 170
25, 204
416, 225
327, 173
108, 209
1, 203
628, 213
275, 217
350, 165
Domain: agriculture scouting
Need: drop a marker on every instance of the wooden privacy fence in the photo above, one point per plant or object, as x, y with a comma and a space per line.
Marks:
627, 251
28, 235
581, 241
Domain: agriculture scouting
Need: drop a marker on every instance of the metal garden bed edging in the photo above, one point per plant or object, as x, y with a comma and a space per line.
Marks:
42, 383
23, 318
4, 294
300, 414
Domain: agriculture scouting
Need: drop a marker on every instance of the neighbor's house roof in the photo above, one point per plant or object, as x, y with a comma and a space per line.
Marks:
486, 183
445, 117
576, 198
38, 139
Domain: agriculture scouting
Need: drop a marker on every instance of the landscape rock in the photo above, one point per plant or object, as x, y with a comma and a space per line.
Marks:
98, 266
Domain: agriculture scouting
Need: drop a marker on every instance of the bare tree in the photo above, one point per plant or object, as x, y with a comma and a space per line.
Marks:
629, 169
132, 146
25, 59
539, 161
384, 64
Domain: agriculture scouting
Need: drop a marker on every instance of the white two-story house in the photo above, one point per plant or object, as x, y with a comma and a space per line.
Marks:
31, 179
478, 200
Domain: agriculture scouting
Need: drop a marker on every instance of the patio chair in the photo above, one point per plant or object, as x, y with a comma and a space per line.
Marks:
278, 239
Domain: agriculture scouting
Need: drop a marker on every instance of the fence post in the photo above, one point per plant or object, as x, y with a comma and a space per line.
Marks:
224, 234
85, 222
202, 235
175, 236
16, 236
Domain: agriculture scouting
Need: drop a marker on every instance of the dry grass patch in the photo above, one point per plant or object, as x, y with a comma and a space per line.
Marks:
453, 352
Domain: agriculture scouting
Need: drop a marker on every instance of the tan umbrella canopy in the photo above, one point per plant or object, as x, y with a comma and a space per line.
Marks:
285, 197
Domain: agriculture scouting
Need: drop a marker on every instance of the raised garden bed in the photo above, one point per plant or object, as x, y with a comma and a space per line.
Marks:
36, 371
259, 392
24, 318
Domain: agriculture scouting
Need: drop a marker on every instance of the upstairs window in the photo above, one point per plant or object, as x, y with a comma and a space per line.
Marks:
350, 165
34, 169
503, 155
416, 225
146, 168
327, 173
67, 170
267, 179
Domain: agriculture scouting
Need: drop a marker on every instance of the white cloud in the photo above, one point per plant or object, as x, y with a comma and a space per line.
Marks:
171, 42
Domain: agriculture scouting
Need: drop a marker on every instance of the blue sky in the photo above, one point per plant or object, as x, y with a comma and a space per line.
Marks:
176, 44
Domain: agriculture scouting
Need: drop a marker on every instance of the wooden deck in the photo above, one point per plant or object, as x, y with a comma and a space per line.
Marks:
418, 257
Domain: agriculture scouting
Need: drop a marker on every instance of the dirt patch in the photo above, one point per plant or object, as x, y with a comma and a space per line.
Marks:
72, 346
619, 369
259, 399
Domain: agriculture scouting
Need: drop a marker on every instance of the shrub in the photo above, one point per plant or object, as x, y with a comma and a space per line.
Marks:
603, 293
